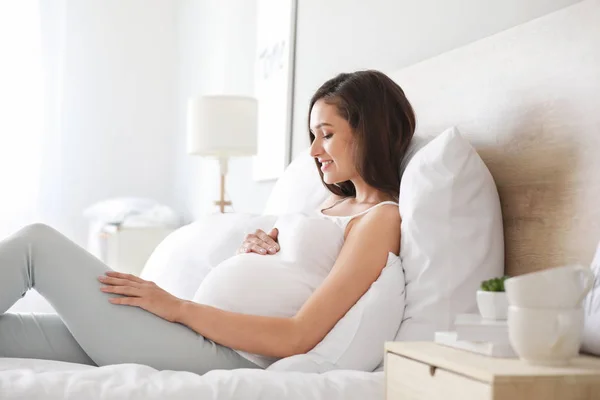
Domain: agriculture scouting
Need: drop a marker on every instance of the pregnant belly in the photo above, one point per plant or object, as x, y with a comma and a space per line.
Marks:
257, 285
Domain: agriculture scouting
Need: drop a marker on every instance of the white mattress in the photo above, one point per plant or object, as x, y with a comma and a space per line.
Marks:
22, 378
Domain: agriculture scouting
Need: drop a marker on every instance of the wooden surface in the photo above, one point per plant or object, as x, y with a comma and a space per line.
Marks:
529, 101
490, 369
408, 379
426, 370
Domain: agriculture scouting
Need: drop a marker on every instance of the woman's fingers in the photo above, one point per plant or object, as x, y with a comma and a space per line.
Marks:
274, 233
246, 247
264, 246
258, 249
107, 280
255, 245
259, 242
125, 290
268, 243
127, 301
121, 275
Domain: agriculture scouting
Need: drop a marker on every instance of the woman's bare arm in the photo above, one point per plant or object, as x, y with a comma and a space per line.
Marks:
363, 256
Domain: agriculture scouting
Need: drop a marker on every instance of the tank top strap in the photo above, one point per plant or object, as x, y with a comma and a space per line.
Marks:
350, 217
343, 220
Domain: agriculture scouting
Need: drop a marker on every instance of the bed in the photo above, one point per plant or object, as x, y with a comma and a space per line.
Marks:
528, 99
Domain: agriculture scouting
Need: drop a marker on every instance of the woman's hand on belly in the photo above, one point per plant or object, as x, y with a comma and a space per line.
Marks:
260, 242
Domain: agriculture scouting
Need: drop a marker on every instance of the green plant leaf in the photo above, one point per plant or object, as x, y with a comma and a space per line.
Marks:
494, 284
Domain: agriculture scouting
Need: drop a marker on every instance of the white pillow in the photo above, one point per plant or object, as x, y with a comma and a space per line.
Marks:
417, 143
452, 234
182, 260
357, 340
591, 330
299, 189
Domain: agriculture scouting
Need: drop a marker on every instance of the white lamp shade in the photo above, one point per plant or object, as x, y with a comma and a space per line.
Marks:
222, 126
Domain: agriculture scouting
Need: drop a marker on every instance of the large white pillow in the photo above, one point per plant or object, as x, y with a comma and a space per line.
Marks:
357, 340
417, 143
182, 260
299, 189
590, 342
452, 234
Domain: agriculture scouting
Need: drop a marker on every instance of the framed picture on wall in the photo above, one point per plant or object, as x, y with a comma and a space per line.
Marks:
274, 83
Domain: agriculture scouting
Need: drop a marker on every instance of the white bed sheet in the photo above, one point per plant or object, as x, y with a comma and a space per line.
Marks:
32, 302
22, 378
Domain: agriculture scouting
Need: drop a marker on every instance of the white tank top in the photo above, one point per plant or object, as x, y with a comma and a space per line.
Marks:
278, 285
343, 221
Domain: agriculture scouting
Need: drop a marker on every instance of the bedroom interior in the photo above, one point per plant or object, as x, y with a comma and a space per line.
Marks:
522, 90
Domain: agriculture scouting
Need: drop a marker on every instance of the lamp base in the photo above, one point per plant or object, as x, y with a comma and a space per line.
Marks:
222, 204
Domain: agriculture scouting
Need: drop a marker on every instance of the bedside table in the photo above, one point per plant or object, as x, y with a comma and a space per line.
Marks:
126, 249
429, 371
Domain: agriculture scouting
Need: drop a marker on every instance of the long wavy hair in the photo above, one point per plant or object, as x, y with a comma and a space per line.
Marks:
382, 121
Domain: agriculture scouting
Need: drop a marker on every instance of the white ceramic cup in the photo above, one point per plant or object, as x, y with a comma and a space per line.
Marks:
545, 336
562, 287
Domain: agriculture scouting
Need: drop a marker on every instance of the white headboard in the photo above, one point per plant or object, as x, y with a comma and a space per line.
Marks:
529, 100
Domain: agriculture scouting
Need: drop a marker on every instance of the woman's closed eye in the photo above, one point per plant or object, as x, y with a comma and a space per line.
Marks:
327, 136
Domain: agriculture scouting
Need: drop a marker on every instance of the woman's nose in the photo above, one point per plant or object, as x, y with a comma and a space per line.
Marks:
315, 149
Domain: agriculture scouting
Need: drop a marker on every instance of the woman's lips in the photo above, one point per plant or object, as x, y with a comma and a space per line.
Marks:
325, 166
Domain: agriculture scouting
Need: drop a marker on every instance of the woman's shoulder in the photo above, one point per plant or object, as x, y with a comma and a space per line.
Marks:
381, 224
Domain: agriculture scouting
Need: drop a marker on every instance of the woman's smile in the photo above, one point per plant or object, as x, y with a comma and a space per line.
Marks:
325, 165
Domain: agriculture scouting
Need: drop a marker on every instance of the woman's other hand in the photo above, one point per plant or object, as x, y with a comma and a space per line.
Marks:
260, 242
141, 293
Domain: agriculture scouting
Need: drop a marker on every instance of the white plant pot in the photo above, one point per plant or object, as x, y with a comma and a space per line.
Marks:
492, 305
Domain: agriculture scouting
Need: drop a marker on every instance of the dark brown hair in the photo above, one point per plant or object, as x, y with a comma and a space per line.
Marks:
382, 121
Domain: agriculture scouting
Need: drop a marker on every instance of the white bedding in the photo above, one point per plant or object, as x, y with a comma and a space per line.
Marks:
32, 302
22, 378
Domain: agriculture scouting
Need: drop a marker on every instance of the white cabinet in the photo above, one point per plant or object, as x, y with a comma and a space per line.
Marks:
126, 249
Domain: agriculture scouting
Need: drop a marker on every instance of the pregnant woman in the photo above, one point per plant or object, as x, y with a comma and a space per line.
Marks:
360, 125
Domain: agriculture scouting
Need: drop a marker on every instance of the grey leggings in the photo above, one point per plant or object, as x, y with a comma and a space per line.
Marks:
88, 329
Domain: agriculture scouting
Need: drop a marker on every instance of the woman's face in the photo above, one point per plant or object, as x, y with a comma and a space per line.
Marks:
333, 143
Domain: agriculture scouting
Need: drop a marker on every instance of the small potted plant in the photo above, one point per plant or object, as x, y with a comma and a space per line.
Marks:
491, 299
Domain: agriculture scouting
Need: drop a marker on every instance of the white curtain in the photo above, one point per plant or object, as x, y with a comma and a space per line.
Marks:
31, 64
30, 86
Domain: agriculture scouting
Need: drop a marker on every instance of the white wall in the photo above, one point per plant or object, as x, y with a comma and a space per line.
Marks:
344, 35
131, 65
216, 50
118, 108
128, 69
216, 55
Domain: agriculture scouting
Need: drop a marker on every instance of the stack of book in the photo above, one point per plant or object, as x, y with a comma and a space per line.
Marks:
479, 335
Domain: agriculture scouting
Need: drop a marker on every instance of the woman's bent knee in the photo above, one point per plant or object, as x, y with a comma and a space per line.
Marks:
37, 230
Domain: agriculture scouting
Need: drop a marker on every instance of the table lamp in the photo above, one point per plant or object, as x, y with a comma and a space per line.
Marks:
222, 127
